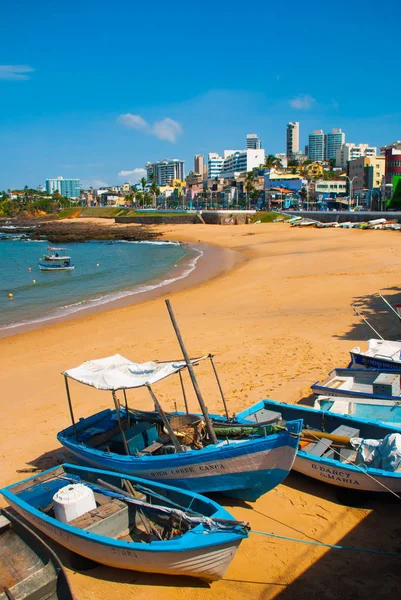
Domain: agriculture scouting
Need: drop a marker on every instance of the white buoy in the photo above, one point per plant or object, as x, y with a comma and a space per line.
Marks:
33, 280
97, 264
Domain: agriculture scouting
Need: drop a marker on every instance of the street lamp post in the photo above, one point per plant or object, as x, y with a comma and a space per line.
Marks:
350, 181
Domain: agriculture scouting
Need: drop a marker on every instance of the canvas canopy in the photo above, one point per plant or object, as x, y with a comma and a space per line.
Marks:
118, 373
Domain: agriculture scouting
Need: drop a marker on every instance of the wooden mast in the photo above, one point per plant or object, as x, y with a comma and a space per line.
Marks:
209, 427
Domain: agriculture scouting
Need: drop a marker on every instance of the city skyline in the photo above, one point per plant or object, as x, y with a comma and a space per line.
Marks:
99, 113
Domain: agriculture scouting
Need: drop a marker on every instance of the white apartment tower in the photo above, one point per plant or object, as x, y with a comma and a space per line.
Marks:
166, 170
253, 142
292, 139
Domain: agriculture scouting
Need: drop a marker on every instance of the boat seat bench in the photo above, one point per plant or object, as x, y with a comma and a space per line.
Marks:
109, 519
322, 447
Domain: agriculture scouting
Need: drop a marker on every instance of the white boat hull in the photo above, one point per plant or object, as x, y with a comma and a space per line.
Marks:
208, 563
58, 268
343, 476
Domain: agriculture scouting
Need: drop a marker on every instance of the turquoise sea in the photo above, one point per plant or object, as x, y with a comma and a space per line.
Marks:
104, 271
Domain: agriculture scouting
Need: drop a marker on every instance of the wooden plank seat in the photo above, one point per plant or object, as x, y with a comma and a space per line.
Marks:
109, 519
323, 446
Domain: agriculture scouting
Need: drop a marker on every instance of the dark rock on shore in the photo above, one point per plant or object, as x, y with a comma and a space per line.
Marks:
75, 231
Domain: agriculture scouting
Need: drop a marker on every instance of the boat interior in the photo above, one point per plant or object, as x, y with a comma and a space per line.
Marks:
318, 422
364, 381
144, 433
25, 568
124, 511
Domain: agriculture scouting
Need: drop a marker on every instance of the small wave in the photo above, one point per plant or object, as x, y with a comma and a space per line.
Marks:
153, 243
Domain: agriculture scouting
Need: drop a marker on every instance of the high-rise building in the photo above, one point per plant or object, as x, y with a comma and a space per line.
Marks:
253, 142
198, 164
214, 165
351, 151
316, 145
70, 188
292, 139
166, 170
332, 142
241, 161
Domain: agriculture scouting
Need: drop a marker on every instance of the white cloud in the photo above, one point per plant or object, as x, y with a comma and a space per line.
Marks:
15, 72
133, 121
95, 183
166, 129
137, 173
302, 102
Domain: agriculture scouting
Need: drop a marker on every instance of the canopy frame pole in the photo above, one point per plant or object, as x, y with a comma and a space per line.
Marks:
209, 426
70, 405
166, 422
116, 404
126, 407
376, 332
220, 388
183, 391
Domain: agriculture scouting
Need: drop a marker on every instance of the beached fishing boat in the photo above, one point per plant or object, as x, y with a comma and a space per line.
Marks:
186, 451
129, 523
360, 383
381, 411
29, 569
326, 452
381, 354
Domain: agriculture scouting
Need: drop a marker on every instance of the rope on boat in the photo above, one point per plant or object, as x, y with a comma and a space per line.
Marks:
331, 546
310, 431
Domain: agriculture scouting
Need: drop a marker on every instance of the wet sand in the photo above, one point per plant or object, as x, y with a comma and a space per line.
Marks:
276, 322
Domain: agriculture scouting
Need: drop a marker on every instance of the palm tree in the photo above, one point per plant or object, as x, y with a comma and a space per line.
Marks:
271, 161
249, 187
143, 183
139, 198
154, 187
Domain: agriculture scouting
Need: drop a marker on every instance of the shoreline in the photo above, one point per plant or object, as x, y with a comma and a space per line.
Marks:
212, 261
276, 323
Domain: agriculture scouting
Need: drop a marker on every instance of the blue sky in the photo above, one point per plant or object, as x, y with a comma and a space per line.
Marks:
95, 89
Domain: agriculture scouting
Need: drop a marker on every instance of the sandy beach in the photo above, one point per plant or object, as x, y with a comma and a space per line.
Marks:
276, 321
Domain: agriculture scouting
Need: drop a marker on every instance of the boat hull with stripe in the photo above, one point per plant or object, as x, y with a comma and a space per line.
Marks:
332, 470
244, 468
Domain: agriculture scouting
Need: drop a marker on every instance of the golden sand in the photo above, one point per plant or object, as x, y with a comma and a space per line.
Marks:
277, 322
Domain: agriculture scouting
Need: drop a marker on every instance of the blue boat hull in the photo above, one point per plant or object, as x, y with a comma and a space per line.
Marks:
244, 469
373, 362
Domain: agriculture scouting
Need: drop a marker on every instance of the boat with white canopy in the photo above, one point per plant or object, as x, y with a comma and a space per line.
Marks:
56, 261
193, 452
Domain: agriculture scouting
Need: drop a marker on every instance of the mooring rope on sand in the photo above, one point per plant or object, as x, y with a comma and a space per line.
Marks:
331, 546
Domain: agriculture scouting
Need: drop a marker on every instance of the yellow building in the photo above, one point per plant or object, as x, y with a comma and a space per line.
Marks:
313, 170
366, 172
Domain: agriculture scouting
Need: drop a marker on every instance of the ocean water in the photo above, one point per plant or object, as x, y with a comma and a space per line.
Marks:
104, 271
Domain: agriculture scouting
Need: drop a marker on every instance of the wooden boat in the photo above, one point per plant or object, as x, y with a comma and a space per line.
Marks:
325, 453
134, 524
372, 409
381, 354
29, 569
183, 453
360, 383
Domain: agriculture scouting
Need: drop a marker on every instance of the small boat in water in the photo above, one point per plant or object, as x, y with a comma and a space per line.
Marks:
183, 451
56, 261
360, 383
340, 450
372, 409
129, 523
381, 354
29, 569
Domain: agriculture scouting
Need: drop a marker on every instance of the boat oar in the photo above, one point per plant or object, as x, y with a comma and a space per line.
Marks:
311, 435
